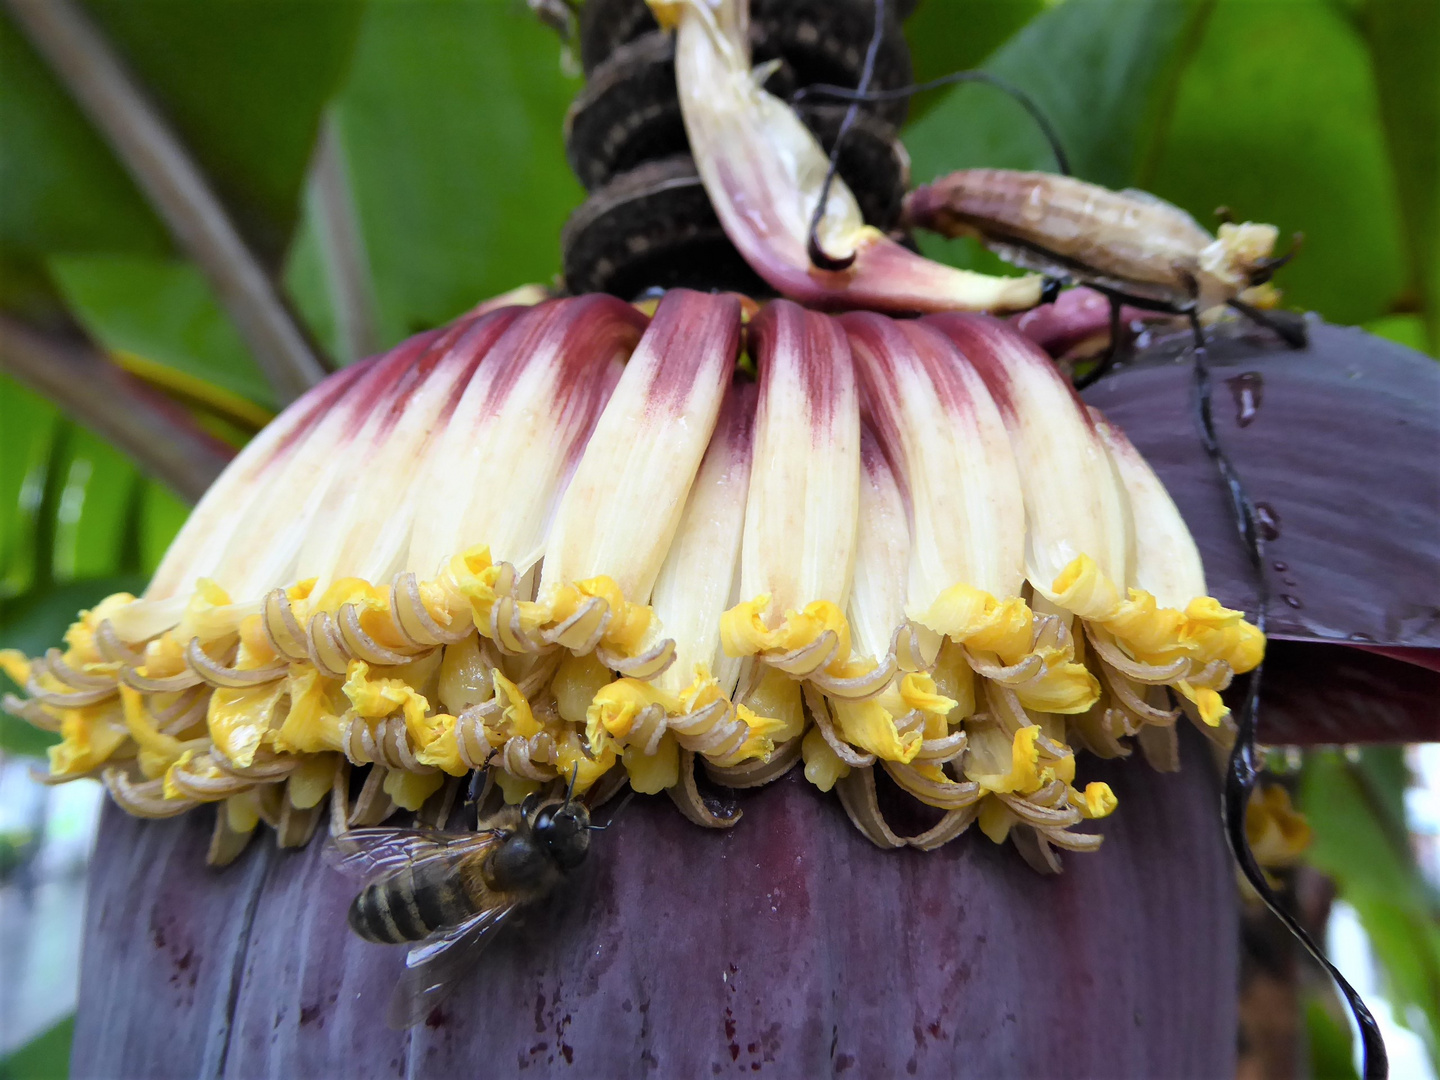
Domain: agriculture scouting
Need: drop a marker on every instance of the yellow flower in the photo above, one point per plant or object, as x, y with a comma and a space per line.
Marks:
570, 541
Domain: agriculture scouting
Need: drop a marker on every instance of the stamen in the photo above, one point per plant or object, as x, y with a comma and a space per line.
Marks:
414, 620
32, 711
360, 644
217, 674
80, 698
54, 662
144, 799
112, 648
282, 628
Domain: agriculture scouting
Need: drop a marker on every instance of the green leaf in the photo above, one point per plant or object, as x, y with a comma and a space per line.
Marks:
45, 1057
28, 427
451, 123
243, 83
957, 35
95, 518
1361, 842
1404, 41
64, 190
307, 283
1099, 69
1408, 330
1277, 118
163, 311
162, 515
1331, 1055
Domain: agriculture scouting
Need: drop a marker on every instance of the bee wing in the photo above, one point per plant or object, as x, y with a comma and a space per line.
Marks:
372, 853
433, 968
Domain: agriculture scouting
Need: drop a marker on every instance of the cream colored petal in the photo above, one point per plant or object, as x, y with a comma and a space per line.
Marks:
882, 555
520, 429
801, 513
254, 551
937, 422
697, 579
1167, 562
262, 554
363, 525
624, 502
195, 551
1074, 504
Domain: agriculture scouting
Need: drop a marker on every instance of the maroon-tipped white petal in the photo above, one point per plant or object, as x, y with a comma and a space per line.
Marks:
519, 430
1074, 503
800, 517
700, 574
624, 502
363, 525
939, 426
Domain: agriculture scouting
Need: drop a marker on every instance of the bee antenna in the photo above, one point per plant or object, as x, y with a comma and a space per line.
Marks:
623, 803
477, 778
570, 788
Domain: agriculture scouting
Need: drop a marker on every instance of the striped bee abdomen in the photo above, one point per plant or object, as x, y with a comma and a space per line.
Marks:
411, 904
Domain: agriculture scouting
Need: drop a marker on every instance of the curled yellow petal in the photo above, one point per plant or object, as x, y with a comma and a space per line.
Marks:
1100, 801
410, 790
651, 774
822, 767
88, 737
870, 726
312, 725
240, 721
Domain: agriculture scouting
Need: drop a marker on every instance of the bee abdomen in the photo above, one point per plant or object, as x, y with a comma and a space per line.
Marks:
409, 907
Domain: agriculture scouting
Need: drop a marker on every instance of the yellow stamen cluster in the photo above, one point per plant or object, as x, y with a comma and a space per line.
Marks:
906, 547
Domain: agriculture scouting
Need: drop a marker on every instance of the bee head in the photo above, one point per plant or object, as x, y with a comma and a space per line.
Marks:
564, 831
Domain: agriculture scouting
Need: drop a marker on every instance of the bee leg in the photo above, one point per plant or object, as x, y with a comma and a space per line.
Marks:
1108, 361
1289, 327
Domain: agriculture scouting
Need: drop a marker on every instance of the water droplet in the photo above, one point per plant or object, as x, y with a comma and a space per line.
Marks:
1280, 567
1294, 601
1248, 390
1290, 581
1268, 520
1362, 637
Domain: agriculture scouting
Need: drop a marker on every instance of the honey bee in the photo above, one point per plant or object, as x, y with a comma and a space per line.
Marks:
450, 892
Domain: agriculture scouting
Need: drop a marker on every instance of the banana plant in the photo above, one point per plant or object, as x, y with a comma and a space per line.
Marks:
209, 207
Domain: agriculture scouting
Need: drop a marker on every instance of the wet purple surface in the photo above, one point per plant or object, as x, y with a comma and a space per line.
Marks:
789, 946
1339, 447
786, 947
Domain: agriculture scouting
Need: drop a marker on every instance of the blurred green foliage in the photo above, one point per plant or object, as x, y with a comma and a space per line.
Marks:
1361, 841
1321, 116
46, 1057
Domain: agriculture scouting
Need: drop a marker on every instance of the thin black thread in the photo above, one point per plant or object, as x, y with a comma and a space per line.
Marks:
1243, 768
1024, 100
1111, 358
818, 256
